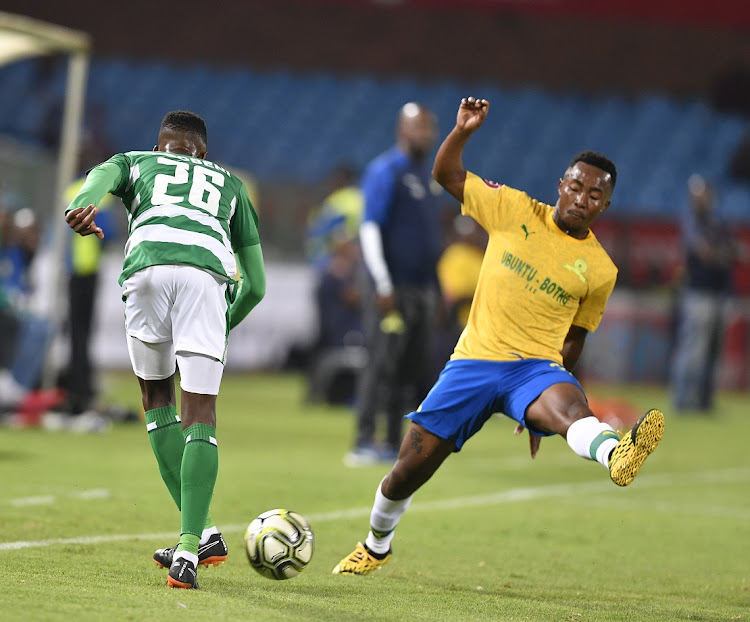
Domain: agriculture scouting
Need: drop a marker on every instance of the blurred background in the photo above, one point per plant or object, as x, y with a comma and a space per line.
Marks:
299, 96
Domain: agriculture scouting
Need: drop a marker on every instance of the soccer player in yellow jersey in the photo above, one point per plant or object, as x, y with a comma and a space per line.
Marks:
544, 283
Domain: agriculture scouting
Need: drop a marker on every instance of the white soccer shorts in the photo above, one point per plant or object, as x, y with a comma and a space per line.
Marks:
177, 313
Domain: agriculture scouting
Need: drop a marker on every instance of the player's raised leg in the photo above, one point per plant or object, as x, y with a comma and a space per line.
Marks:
562, 409
420, 455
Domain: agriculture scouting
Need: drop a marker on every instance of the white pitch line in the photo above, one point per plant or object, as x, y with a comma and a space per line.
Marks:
38, 500
83, 495
507, 496
675, 509
95, 494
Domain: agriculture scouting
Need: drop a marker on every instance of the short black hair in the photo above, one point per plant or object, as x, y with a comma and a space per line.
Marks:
186, 122
594, 158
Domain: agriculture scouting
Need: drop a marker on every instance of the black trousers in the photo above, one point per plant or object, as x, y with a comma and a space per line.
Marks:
399, 364
8, 334
79, 380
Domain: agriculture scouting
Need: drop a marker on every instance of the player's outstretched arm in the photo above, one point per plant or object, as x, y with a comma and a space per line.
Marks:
82, 210
252, 286
448, 169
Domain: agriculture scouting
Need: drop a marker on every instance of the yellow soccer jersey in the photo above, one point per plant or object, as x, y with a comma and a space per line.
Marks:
536, 281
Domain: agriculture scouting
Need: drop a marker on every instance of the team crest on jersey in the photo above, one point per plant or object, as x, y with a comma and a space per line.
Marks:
491, 184
578, 268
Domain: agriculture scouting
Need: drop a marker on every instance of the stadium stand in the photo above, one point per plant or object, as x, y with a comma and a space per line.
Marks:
656, 141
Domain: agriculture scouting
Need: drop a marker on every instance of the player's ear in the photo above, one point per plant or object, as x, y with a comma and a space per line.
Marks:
559, 186
156, 147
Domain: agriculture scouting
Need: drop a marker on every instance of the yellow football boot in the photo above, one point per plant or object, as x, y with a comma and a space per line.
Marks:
360, 561
633, 449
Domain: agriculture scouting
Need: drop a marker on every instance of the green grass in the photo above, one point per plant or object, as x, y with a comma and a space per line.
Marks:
494, 536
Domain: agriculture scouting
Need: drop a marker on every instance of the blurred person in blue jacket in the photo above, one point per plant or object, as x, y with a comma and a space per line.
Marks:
337, 217
401, 240
26, 335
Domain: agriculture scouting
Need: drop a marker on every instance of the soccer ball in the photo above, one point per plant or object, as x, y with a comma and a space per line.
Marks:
279, 544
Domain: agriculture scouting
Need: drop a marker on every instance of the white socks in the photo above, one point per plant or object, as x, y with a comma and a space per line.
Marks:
383, 520
593, 440
185, 555
207, 533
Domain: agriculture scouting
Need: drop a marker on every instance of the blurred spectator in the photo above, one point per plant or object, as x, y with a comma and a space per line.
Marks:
26, 335
458, 272
458, 268
338, 297
709, 255
77, 378
20, 242
340, 214
333, 251
339, 354
401, 243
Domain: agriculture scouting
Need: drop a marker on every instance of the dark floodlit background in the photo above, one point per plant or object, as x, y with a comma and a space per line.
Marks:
291, 90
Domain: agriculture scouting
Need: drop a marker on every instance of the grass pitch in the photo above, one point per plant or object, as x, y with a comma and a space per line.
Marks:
494, 536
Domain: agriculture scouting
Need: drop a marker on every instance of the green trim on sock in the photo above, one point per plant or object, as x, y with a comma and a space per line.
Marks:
380, 534
189, 542
603, 436
164, 416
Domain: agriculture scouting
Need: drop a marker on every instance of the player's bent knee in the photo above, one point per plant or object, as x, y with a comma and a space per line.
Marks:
557, 408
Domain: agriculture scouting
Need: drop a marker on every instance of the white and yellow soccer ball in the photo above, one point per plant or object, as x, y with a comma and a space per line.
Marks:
279, 544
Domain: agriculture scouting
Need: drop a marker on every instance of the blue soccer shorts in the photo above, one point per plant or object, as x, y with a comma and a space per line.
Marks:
468, 392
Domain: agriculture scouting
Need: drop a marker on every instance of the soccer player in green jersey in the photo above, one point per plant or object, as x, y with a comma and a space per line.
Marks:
543, 287
191, 224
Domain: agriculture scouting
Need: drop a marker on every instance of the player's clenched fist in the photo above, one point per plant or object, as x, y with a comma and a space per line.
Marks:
471, 113
81, 220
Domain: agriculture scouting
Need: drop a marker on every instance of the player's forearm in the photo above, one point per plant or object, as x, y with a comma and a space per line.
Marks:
448, 169
573, 347
571, 355
102, 180
252, 286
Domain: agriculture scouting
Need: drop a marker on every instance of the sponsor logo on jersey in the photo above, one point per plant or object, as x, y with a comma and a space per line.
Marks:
534, 282
527, 232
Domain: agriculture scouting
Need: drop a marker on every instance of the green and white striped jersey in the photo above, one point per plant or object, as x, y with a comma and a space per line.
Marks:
181, 210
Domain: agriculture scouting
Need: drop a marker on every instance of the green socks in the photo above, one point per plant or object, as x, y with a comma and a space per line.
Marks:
168, 443
165, 433
200, 465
